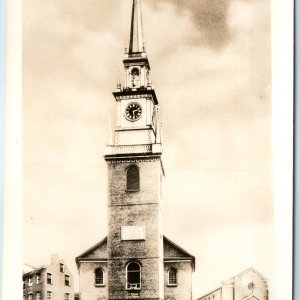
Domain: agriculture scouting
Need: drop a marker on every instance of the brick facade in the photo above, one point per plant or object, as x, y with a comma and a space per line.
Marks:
57, 286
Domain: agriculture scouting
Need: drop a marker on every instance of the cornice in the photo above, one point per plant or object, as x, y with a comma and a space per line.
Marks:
134, 94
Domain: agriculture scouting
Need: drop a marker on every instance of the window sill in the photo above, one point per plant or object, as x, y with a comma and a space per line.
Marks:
172, 285
133, 289
99, 285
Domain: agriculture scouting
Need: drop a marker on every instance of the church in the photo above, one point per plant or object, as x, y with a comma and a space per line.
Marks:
135, 260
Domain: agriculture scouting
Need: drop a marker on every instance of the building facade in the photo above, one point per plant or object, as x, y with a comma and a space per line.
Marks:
248, 285
135, 260
52, 282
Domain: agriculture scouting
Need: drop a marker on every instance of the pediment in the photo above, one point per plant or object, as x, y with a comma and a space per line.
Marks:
250, 271
171, 250
98, 251
251, 298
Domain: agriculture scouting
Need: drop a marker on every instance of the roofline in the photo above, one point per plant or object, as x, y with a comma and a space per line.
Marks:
26, 274
104, 240
182, 250
188, 255
208, 293
250, 269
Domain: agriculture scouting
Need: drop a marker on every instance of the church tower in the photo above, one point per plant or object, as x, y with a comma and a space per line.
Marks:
135, 171
135, 260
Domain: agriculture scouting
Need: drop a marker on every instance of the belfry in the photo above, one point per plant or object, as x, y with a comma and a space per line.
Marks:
135, 260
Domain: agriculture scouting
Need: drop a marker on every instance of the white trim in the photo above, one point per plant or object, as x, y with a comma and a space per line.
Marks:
176, 271
93, 261
140, 283
179, 260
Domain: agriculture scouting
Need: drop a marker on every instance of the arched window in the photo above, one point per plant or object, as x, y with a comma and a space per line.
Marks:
99, 277
133, 179
172, 276
135, 77
133, 272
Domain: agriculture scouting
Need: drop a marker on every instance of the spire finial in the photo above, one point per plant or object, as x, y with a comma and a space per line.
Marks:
136, 43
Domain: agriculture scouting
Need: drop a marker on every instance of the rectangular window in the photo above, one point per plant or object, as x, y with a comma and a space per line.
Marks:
99, 277
30, 297
30, 281
38, 278
61, 267
67, 280
67, 296
49, 295
49, 278
38, 296
172, 277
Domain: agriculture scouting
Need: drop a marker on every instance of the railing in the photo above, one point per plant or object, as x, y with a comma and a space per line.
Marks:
127, 149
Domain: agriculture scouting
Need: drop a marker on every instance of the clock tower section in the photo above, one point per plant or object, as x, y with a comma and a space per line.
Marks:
135, 171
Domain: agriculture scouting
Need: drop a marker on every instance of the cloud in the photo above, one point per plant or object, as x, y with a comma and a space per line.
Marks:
209, 16
211, 67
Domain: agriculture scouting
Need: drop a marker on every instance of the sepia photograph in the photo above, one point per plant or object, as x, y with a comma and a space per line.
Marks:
148, 151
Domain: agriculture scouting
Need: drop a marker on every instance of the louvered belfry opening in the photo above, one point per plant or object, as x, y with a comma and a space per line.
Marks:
133, 179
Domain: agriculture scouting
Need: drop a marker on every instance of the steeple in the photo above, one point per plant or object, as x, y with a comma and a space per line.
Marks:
136, 43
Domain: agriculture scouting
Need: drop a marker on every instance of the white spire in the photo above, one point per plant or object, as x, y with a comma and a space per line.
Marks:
136, 43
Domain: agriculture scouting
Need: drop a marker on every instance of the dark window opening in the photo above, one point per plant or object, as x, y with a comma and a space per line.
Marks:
67, 280
99, 277
172, 277
133, 179
133, 276
49, 278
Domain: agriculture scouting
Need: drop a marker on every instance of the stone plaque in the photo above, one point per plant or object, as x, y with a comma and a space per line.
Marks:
132, 233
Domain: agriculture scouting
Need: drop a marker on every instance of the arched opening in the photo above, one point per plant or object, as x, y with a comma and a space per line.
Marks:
133, 179
133, 274
135, 77
99, 277
172, 276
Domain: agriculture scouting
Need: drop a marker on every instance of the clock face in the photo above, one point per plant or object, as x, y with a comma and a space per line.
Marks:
133, 111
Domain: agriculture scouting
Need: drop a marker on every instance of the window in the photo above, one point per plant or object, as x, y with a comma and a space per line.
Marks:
38, 296
67, 280
61, 268
99, 277
49, 295
38, 278
135, 77
30, 297
30, 281
172, 276
67, 296
49, 278
133, 276
133, 179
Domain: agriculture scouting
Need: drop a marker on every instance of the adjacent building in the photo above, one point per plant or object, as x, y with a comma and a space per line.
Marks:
52, 282
135, 260
248, 285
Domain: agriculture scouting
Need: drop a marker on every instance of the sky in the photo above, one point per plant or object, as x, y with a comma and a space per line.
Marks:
211, 68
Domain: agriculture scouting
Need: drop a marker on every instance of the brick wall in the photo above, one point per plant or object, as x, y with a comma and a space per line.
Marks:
142, 208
